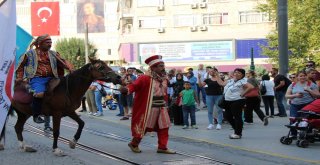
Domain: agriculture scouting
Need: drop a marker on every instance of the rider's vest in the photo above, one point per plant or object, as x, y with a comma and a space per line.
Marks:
32, 63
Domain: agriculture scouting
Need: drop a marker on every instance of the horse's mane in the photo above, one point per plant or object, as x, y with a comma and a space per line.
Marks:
80, 71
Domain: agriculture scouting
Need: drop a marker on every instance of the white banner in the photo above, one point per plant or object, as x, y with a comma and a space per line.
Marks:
7, 55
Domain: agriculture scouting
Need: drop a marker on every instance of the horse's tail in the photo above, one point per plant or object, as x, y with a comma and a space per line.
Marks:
3, 132
10, 111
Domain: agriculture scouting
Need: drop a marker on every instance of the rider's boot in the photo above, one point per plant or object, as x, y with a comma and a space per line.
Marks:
36, 110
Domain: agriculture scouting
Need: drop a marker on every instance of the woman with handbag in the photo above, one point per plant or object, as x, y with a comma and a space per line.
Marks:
253, 101
268, 97
234, 93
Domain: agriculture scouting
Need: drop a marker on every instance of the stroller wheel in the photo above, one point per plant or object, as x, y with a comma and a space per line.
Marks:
285, 140
303, 143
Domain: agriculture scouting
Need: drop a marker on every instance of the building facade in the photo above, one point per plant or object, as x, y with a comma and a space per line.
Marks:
221, 33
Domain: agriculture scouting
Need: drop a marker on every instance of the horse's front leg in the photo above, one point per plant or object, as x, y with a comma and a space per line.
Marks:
56, 118
75, 117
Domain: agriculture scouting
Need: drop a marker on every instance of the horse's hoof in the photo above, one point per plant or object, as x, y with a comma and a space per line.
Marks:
1, 147
27, 148
58, 152
72, 144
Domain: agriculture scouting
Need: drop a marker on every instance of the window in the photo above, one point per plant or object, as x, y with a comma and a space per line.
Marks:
151, 22
253, 17
185, 20
142, 3
215, 19
184, 2
214, 1
127, 3
109, 51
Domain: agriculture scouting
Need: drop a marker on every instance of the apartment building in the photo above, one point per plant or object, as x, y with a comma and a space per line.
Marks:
186, 32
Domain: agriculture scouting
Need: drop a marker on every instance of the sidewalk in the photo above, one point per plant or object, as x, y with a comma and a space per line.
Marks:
256, 138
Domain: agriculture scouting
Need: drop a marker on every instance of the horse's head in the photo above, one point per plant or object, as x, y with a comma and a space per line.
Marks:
101, 71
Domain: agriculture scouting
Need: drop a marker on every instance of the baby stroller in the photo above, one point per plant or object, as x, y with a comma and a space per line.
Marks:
307, 126
110, 102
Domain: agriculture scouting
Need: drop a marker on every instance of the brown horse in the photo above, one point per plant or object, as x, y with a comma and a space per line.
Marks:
62, 98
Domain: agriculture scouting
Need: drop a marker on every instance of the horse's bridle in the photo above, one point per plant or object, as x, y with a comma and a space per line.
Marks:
101, 70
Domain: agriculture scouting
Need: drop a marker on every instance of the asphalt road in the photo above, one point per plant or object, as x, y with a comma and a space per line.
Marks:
259, 144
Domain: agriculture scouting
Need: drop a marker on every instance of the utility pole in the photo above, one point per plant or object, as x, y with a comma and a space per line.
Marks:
86, 44
252, 67
283, 36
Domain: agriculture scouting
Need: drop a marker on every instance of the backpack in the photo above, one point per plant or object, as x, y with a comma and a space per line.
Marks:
263, 89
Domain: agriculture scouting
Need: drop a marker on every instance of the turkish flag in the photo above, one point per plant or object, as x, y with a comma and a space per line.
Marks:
45, 18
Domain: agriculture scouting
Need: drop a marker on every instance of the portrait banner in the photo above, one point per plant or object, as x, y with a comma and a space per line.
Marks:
7, 55
90, 14
45, 18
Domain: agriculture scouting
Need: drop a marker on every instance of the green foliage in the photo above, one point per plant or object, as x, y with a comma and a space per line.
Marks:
259, 69
303, 32
73, 50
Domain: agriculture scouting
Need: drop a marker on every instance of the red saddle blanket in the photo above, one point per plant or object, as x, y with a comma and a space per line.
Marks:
22, 96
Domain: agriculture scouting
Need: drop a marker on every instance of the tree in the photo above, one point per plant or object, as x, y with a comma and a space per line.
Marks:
73, 50
303, 32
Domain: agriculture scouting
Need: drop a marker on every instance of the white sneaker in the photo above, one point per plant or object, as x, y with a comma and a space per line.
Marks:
210, 126
234, 136
218, 127
89, 113
95, 114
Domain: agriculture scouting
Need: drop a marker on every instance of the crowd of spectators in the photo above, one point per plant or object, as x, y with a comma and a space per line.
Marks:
206, 86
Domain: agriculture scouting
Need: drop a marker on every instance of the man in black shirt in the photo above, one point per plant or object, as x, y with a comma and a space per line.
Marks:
280, 88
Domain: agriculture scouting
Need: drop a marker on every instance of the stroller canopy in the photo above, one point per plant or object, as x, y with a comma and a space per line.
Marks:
314, 106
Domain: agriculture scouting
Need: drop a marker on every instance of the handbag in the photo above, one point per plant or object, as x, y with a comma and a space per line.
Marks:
263, 89
102, 91
252, 93
222, 102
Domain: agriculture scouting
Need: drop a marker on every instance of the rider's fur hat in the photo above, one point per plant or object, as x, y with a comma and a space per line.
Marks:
154, 60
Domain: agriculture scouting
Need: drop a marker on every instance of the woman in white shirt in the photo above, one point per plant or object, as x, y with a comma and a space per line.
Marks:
234, 93
268, 97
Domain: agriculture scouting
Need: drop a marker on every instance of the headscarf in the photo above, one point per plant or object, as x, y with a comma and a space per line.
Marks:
39, 40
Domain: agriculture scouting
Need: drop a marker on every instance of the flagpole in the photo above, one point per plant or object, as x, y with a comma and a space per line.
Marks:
86, 46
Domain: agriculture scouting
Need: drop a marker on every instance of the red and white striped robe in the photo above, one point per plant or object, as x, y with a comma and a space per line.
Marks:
143, 114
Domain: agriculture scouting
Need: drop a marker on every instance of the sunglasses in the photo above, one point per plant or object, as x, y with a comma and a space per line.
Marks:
292, 77
309, 65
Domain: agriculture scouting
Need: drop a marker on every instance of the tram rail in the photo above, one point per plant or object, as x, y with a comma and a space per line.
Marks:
81, 146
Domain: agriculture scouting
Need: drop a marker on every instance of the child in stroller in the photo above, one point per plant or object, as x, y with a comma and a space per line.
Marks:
307, 126
110, 102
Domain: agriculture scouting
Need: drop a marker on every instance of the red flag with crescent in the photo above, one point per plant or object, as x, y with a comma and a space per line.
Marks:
45, 18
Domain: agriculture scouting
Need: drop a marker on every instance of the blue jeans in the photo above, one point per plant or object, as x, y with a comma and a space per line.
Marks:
98, 97
279, 98
212, 102
203, 93
186, 110
117, 97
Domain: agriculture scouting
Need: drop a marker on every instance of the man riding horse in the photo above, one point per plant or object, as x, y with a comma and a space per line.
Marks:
39, 66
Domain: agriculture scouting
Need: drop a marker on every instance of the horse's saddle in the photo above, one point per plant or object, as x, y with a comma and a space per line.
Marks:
22, 94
